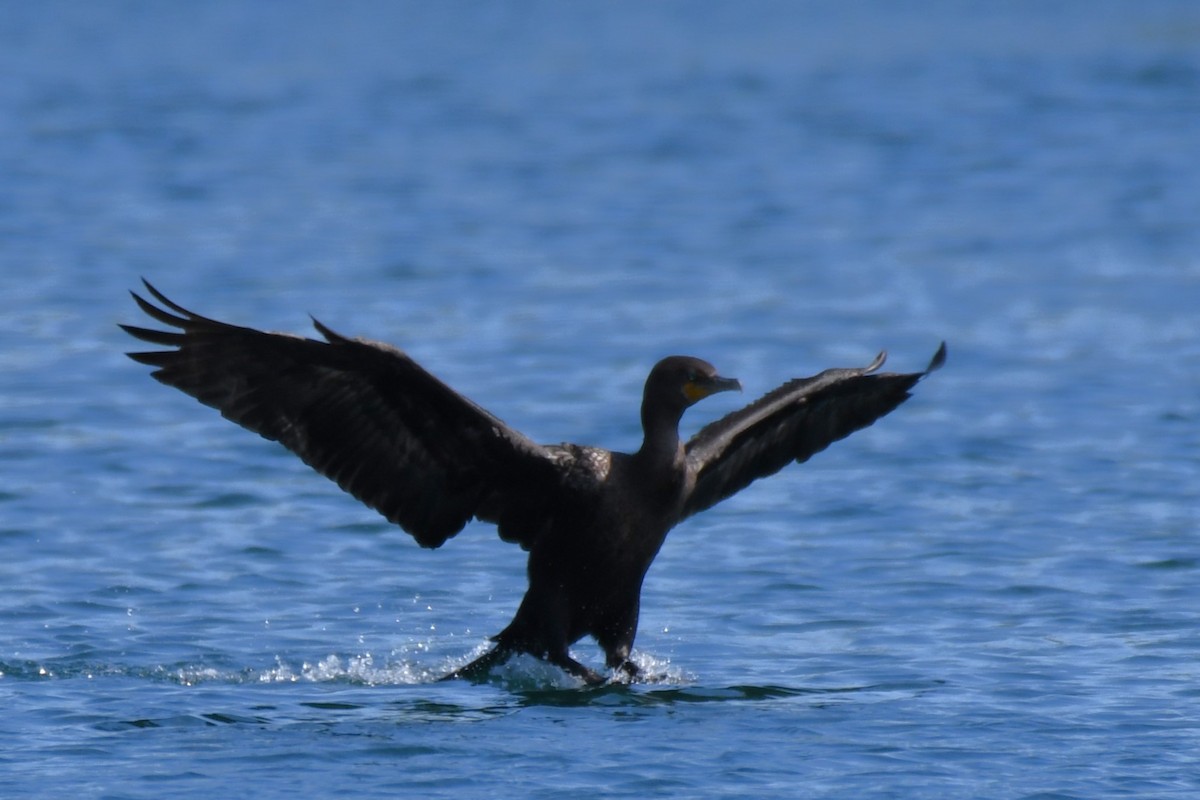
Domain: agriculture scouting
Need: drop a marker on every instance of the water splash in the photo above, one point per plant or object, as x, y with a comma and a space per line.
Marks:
399, 668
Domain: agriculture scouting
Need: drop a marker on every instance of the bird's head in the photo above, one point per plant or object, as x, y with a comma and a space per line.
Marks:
684, 380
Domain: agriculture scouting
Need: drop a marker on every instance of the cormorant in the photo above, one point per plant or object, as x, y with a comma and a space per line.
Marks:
428, 459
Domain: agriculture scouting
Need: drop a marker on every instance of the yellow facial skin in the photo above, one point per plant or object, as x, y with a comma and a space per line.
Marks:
699, 388
694, 392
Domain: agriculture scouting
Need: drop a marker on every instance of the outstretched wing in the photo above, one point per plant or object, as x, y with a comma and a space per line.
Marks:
361, 413
791, 423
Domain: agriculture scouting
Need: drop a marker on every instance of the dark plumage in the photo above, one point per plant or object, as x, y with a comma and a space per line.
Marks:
367, 416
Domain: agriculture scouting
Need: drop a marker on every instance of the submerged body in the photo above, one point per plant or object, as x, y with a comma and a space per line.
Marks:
367, 416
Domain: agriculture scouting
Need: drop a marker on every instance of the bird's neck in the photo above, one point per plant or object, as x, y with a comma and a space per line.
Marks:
661, 449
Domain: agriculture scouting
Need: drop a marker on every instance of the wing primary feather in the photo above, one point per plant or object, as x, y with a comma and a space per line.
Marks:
168, 338
157, 313
169, 303
332, 336
938, 360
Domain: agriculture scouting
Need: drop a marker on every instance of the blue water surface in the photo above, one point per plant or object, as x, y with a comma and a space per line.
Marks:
992, 593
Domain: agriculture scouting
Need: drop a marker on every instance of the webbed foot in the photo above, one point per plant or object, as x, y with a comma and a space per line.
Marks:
477, 671
573, 667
